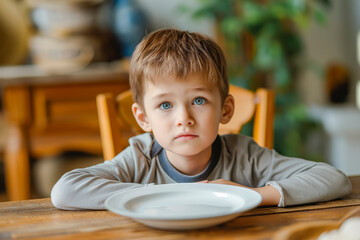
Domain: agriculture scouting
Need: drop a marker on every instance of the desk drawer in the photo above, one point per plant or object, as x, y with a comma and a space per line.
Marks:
71, 106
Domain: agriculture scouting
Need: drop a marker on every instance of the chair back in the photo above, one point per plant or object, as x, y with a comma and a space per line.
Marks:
117, 123
258, 106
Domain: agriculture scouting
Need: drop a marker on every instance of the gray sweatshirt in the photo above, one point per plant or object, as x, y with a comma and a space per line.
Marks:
236, 158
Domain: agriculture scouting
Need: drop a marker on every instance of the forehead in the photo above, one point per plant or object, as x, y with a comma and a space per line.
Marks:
192, 81
155, 77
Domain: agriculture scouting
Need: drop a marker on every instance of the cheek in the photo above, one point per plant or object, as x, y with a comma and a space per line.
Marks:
212, 115
159, 122
209, 123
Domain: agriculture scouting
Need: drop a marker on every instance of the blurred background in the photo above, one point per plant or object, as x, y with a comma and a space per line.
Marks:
56, 55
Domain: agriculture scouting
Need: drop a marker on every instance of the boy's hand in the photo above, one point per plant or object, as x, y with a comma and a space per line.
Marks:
270, 195
227, 182
223, 181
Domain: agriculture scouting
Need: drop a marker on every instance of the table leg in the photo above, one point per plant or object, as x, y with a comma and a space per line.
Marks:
17, 109
17, 164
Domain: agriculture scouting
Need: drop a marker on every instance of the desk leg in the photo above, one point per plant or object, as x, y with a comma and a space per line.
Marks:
17, 164
17, 111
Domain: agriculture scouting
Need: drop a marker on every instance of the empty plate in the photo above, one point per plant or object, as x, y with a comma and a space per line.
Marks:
183, 206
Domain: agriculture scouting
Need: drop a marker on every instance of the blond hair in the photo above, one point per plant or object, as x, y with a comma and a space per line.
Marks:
174, 53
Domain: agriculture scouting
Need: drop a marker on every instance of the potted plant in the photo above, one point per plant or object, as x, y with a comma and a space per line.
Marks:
263, 47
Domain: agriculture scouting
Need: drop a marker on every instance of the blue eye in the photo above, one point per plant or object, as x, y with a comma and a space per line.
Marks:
165, 105
199, 101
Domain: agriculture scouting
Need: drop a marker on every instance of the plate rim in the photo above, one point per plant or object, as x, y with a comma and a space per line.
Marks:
257, 198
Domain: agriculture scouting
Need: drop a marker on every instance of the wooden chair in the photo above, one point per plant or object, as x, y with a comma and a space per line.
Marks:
117, 123
259, 106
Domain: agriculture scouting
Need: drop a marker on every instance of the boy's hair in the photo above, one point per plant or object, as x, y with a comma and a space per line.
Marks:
174, 53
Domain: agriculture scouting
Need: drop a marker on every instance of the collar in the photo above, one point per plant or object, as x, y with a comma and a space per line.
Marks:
180, 177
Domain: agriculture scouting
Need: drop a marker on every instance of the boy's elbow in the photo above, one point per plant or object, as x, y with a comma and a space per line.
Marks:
343, 183
60, 198
57, 198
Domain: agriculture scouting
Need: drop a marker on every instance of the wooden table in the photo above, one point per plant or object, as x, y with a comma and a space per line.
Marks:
50, 114
38, 219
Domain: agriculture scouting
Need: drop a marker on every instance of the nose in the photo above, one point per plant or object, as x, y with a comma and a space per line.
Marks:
184, 117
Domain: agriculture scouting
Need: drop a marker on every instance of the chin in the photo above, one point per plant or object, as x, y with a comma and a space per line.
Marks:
188, 151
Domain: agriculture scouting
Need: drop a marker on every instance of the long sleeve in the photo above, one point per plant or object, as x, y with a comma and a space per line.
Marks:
305, 181
88, 188
299, 181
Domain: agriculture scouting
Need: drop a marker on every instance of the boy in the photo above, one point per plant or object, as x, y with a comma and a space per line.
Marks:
180, 87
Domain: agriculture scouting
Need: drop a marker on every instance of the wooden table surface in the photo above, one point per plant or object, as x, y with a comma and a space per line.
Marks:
38, 219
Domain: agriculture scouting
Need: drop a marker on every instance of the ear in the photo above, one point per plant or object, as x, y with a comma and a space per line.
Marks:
140, 117
228, 109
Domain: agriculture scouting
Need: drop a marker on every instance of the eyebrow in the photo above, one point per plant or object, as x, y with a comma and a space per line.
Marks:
199, 89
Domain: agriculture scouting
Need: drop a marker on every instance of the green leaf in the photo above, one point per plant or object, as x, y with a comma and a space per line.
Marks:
281, 74
252, 12
319, 16
296, 5
269, 52
301, 20
274, 26
232, 26
279, 11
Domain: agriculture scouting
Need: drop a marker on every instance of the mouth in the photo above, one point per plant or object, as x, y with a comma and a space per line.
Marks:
186, 136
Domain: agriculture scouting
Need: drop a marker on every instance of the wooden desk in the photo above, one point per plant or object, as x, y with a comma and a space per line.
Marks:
48, 114
38, 219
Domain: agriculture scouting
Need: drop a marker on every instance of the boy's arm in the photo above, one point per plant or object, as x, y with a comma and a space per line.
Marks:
270, 195
309, 182
300, 181
297, 180
88, 188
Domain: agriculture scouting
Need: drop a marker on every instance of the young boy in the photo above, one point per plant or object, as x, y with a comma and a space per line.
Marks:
180, 87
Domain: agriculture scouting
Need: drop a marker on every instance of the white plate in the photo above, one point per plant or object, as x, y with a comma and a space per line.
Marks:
183, 206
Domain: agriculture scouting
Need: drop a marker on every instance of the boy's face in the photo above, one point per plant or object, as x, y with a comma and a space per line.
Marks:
184, 115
